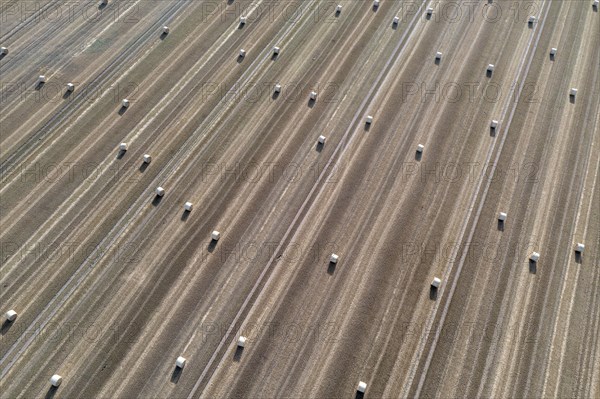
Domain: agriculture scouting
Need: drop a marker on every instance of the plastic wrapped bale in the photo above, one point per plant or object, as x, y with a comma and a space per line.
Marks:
573, 92
55, 380
11, 315
362, 387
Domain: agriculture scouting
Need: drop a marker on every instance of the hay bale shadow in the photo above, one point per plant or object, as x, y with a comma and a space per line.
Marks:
433, 293
331, 268
51, 392
532, 267
143, 167
176, 375
156, 201
500, 225
211, 245
6, 327
237, 356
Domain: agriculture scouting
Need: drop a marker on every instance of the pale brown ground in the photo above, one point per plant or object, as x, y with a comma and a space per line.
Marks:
112, 285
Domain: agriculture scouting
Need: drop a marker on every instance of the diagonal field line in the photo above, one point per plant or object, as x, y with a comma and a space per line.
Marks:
577, 269
482, 201
77, 282
397, 50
